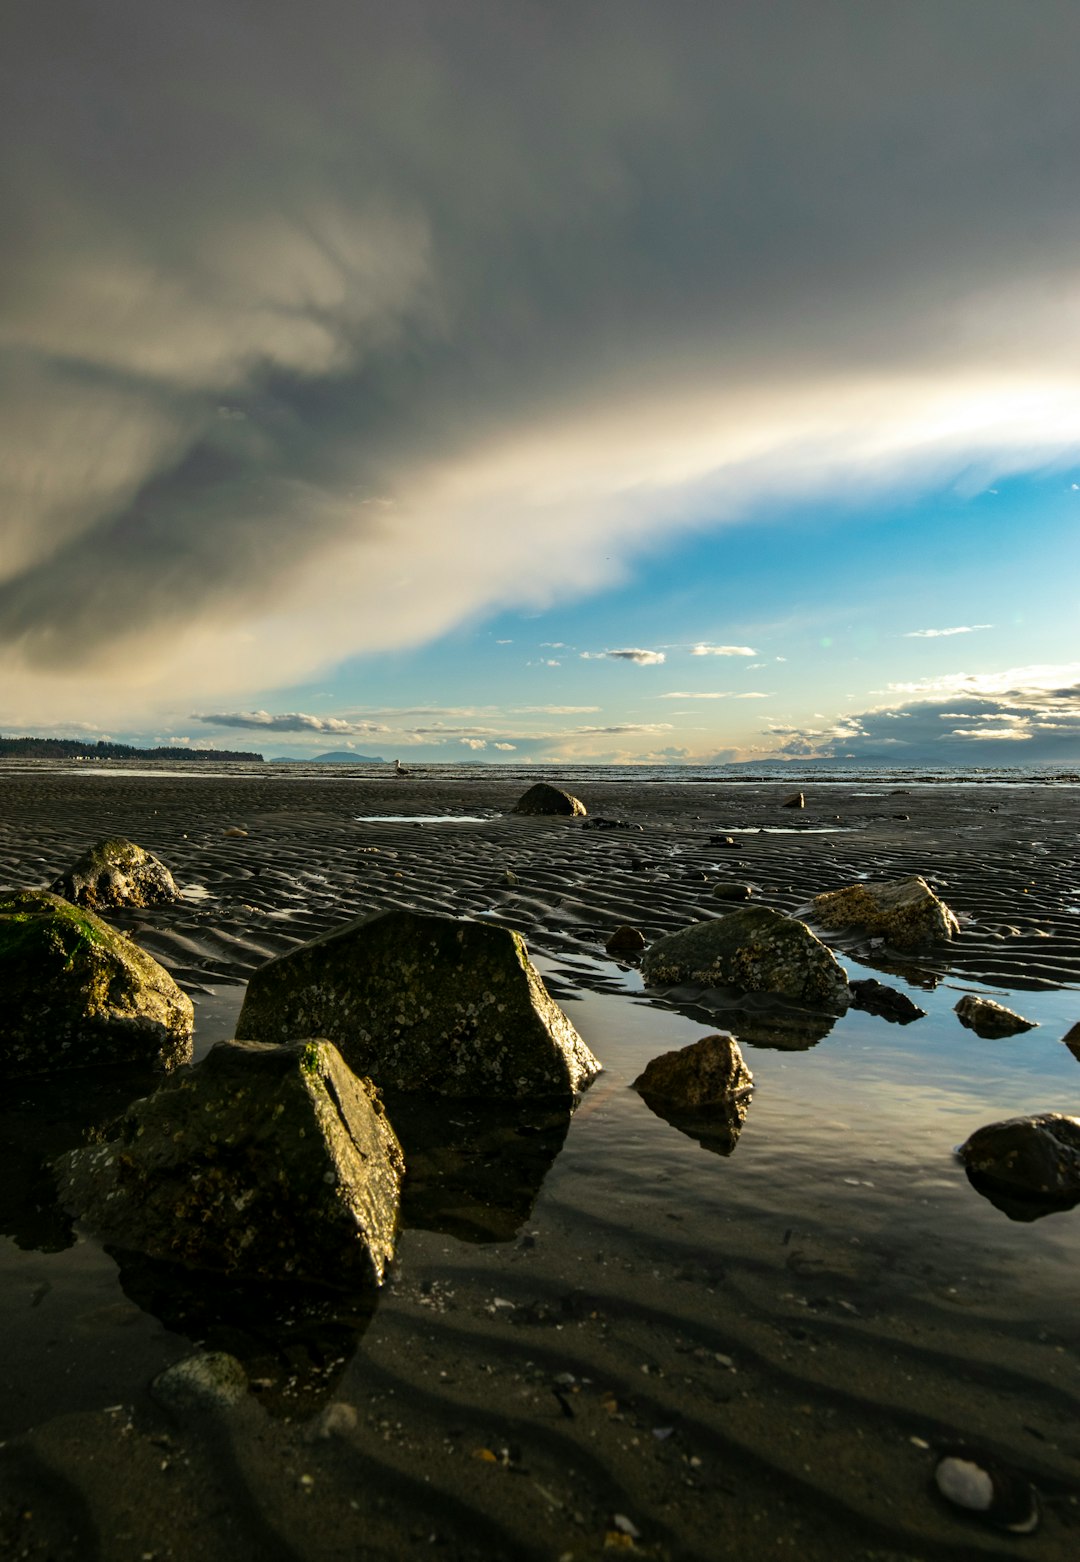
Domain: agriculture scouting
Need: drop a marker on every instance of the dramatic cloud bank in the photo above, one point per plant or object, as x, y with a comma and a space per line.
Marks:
328, 327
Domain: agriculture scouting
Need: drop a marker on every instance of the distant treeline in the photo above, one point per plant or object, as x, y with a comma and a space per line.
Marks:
75, 748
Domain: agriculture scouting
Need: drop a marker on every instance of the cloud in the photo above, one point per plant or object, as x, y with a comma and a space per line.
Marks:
474, 743
935, 634
407, 282
723, 650
555, 710
641, 658
506, 748
293, 721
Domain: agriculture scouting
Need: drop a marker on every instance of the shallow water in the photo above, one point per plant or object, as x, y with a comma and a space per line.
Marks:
756, 1352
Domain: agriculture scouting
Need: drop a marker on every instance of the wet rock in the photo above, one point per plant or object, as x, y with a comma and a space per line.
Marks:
596, 822
796, 800
988, 1490
271, 1162
1071, 1039
1032, 1159
728, 890
707, 1073
989, 1019
77, 994
212, 1380
424, 1003
116, 872
876, 998
545, 799
724, 840
905, 912
754, 950
626, 940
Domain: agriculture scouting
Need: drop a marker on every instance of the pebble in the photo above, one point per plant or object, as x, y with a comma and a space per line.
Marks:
982, 1487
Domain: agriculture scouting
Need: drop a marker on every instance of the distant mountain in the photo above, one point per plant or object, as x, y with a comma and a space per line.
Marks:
78, 748
339, 756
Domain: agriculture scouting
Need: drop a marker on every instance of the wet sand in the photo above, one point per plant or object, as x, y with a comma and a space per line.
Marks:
741, 1353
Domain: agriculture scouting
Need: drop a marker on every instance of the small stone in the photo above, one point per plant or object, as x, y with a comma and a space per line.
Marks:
989, 1019
1035, 1157
796, 800
729, 890
336, 1420
707, 1073
875, 998
212, 1380
1072, 1041
626, 940
988, 1490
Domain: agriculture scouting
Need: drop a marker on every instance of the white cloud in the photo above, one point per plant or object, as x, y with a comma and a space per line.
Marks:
935, 634
505, 748
723, 650
474, 743
632, 654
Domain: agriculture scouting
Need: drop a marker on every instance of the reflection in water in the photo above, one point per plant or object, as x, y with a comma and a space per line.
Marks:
1020, 1206
294, 1341
42, 1118
716, 1128
761, 1019
474, 1168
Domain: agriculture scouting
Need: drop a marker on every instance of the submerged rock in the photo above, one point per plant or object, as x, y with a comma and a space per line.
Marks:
269, 1162
905, 912
1034, 1159
546, 799
424, 1003
754, 949
989, 1019
707, 1073
876, 998
77, 994
597, 822
212, 1380
626, 940
1071, 1040
116, 872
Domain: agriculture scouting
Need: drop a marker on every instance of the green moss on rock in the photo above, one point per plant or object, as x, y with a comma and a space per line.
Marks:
116, 872
77, 994
423, 1003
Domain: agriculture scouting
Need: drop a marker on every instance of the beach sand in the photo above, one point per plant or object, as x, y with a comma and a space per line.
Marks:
595, 1328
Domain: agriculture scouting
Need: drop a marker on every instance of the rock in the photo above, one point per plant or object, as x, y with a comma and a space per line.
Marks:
77, 994
729, 890
906, 912
989, 1019
264, 1162
424, 1003
1033, 1158
1072, 1041
753, 949
796, 800
116, 872
707, 1073
876, 998
545, 799
989, 1490
724, 840
626, 941
212, 1380
599, 823
336, 1420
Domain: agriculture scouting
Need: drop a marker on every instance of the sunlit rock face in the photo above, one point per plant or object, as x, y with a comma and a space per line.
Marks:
989, 1019
116, 872
906, 913
424, 1003
753, 950
545, 799
271, 1162
77, 994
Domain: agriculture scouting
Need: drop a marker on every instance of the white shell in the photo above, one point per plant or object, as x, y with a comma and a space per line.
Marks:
965, 1483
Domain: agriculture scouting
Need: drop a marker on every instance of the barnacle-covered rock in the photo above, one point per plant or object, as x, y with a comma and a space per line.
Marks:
754, 949
116, 872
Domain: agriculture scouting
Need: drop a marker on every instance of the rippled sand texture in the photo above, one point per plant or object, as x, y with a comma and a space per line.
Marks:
752, 1355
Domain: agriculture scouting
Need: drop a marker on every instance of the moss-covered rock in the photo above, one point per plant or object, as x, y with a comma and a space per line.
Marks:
546, 799
116, 872
905, 912
424, 1003
77, 994
753, 950
270, 1162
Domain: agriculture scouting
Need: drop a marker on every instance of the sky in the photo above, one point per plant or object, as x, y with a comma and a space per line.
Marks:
543, 380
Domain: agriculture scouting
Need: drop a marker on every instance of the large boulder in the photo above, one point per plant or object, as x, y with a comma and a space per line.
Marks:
116, 872
265, 1162
424, 1003
545, 799
905, 912
990, 1020
77, 994
753, 949
1034, 1159
708, 1073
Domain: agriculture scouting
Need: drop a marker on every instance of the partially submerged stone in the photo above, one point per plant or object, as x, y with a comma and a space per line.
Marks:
211, 1380
905, 912
753, 949
424, 1003
989, 1019
265, 1162
546, 799
1035, 1158
890, 1004
78, 994
796, 800
708, 1073
116, 872
1071, 1039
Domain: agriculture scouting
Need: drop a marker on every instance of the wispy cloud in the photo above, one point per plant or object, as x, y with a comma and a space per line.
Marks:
715, 694
291, 721
937, 634
723, 650
631, 654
